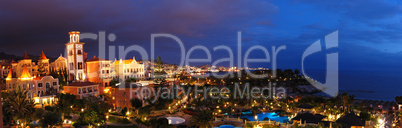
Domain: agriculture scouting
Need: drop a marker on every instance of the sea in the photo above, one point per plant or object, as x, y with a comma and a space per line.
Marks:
370, 85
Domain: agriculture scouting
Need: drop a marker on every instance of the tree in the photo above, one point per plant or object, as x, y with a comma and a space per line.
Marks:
159, 73
42, 69
124, 111
131, 80
38, 114
398, 99
19, 105
365, 116
136, 103
144, 111
61, 74
113, 83
95, 112
297, 72
50, 119
203, 119
92, 118
65, 103
347, 101
159, 123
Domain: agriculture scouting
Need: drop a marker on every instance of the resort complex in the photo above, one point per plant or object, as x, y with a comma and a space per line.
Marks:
201, 64
77, 91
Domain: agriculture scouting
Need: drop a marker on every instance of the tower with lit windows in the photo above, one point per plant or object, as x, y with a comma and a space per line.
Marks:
75, 57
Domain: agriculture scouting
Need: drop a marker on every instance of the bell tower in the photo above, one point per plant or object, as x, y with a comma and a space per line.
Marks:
75, 57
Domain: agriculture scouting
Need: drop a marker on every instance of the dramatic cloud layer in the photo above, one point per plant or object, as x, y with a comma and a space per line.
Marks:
369, 31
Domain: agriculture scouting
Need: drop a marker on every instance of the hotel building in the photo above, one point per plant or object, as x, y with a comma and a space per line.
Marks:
122, 94
126, 69
59, 64
42, 89
99, 71
76, 57
82, 89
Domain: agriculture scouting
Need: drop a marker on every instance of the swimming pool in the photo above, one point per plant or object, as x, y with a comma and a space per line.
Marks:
175, 120
226, 126
271, 115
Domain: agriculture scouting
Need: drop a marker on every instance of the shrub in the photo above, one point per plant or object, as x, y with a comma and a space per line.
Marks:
123, 121
49, 108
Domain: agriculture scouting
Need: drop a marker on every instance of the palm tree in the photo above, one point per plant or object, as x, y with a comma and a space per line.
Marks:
19, 105
347, 101
203, 119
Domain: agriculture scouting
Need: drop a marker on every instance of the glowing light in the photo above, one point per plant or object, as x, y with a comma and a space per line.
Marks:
106, 90
82, 110
380, 121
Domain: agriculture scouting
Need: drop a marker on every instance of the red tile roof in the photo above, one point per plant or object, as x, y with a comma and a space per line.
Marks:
26, 55
43, 56
81, 84
97, 59
5, 64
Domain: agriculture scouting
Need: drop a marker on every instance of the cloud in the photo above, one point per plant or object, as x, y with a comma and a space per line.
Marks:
46, 23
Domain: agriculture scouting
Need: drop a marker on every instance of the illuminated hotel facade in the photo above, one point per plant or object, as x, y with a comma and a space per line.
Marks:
42, 89
76, 57
89, 77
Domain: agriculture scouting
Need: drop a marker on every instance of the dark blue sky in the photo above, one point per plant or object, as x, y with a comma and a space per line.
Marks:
369, 31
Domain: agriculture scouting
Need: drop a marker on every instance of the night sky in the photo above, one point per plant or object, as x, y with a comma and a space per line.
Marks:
370, 32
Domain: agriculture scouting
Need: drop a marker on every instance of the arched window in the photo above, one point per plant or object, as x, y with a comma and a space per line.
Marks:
47, 86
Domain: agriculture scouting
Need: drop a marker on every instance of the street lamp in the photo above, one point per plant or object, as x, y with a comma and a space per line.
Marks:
256, 118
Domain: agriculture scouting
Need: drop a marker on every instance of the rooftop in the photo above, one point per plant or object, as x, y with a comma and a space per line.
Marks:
96, 59
81, 84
